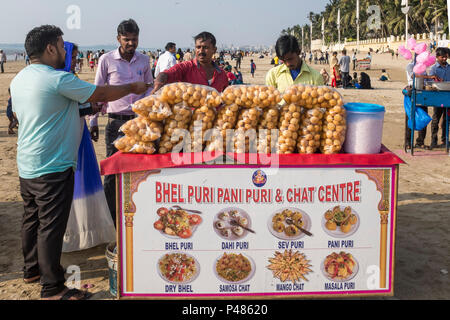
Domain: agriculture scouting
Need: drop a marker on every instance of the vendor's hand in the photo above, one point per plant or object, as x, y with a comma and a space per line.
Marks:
140, 87
94, 133
157, 85
160, 81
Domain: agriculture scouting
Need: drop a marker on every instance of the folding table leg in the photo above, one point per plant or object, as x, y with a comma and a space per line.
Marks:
413, 120
446, 129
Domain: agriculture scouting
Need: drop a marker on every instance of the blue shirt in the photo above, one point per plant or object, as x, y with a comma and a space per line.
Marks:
46, 104
440, 71
294, 74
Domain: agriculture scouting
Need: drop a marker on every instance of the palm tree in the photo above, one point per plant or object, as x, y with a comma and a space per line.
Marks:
423, 16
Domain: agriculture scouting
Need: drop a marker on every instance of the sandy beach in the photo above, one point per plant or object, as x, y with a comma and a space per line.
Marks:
422, 259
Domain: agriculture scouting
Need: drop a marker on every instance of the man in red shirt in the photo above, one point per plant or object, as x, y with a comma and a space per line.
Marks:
202, 70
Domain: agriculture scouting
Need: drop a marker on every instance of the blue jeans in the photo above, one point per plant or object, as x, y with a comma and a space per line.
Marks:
9, 112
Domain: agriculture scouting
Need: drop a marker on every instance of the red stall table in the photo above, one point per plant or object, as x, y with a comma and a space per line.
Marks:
235, 226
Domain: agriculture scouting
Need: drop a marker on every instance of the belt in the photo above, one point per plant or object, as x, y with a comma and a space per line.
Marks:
124, 117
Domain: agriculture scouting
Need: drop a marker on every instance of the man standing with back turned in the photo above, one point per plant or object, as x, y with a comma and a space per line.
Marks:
344, 64
2, 61
167, 60
46, 102
117, 67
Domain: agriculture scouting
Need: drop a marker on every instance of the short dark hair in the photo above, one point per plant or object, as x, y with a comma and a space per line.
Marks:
204, 36
39, 38
127, 26
170, 45
441, 51
287, 44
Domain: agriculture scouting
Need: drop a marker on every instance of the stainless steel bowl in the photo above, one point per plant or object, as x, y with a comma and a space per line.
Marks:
442, 86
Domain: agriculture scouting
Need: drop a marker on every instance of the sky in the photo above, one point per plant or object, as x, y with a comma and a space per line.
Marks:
233, 22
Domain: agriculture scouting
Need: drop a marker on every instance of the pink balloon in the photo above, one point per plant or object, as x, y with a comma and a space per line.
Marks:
402, 48
420, 48
423, 57
420, 68
431, 60
411, 43
407, 55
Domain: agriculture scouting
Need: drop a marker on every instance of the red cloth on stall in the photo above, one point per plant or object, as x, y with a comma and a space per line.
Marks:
122, 162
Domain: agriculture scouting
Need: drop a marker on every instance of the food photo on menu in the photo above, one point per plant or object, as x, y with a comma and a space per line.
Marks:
340, 221
177, 223
340, 266
234, 268
290, 265
178, 268
290, 224
232, 224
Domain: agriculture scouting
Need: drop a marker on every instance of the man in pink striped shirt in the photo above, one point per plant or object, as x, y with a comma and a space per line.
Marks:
121, 66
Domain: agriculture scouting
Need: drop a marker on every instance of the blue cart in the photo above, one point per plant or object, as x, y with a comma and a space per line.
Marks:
428, 98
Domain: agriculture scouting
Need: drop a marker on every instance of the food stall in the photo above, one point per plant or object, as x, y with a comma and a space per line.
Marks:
363, 64
436, 95
314, 189
296, 223
433, 94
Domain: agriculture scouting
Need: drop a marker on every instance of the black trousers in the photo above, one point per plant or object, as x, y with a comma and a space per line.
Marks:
437, 114
47, 202
422, 133
344, 79
2, 69
111, 134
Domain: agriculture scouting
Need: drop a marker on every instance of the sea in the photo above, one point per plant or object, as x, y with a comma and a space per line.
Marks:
12, 49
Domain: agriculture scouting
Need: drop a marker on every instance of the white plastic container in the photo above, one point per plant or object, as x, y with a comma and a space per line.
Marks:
364, 128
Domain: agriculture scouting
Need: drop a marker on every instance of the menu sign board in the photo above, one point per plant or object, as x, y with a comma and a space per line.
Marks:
249, 232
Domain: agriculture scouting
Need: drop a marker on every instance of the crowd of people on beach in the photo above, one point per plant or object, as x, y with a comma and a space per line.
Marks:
161, 60
338, 74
